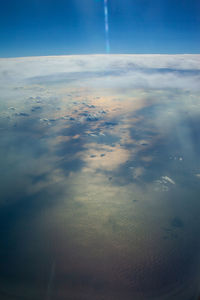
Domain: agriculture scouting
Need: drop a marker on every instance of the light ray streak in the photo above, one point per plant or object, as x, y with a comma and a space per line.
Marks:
50, 283
106, 26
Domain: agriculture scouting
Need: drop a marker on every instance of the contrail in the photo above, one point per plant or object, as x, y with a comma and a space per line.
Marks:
106, 26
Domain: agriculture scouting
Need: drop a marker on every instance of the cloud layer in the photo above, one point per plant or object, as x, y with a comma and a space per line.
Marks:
131, 71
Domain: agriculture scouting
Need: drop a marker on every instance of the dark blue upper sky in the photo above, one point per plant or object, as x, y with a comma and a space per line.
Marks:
53, 27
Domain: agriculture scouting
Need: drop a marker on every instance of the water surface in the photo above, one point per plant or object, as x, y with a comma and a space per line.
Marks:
100, 177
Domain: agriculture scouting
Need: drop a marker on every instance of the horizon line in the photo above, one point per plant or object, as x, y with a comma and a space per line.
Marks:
95, 54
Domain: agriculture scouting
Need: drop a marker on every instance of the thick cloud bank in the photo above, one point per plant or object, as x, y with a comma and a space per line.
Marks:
130, 71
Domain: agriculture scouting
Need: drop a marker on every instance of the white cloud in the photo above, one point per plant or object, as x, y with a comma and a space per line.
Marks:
129, 71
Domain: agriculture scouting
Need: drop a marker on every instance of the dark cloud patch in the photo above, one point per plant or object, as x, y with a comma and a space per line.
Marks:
183, 72
141, 132
67, 150
92, 115
150, 111
70, 148
77, 132
63, 77
31, 146
188, 129
35, 100
92, 118
109, 124
90, 106
39, 178
22, 114
74, 129
177, 223
70, 165
36, 108
25, 125
28, 136
84, 114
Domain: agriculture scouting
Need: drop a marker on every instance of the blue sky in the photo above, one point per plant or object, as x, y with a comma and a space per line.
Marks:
54, 27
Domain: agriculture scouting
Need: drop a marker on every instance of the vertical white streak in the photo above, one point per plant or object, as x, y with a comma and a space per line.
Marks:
106, 26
